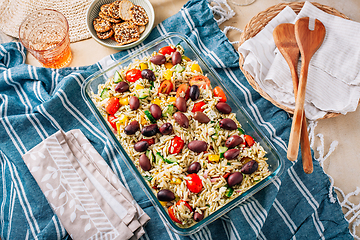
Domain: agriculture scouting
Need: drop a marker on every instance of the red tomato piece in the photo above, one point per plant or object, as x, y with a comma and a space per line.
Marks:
111, 120
198, 107
218, 92
176, 145
167, 50
150, 141
226, 175
200, 80
133, 75
172, 214
249, 140
112, 106
166, 87
194, 183
185, 203
183, 88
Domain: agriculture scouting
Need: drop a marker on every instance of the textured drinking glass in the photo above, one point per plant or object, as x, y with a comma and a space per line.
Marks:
45, 34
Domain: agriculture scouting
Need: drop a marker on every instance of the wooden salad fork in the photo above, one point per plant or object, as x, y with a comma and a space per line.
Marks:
284, 37
308, 42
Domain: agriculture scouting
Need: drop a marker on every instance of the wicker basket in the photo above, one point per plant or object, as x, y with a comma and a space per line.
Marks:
257, 23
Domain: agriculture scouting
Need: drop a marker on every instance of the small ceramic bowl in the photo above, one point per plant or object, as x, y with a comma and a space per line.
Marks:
93, 12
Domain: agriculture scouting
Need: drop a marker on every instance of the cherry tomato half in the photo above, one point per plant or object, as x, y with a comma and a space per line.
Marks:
172, 214
167, 50
112, 105
133, 74
198, 107
166, 87
185, 203
176, 145
249, 140
183, 88
171, 210
200, 80
111, 120
150, 141
218, 92
194, 183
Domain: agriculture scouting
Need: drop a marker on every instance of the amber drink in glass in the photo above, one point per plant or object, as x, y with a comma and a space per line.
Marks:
45, 34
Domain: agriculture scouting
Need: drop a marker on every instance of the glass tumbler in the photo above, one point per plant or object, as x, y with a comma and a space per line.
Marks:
45, 34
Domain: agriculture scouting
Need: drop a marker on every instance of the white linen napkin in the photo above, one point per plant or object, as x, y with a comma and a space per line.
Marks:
334, 74
83, 191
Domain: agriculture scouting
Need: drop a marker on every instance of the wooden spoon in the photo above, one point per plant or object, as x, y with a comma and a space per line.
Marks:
309, 42
284, 37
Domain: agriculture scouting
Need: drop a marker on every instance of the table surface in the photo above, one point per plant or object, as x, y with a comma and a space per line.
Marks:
342, 164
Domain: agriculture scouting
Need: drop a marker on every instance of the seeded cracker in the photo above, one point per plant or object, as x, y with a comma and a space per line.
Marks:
141, 29
114, 9
139, 16
126, 33
101, 25
105, 35
125, 6
105, 9
108, 18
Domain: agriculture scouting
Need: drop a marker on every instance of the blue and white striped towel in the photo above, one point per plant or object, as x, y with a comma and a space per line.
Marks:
37, 102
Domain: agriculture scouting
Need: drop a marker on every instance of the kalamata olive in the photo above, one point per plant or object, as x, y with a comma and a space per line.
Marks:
234, 178
176, 58
194, 92
166, 129
144, 162
148, 74
150, 130
165, 195
233, 141
198, 217
131, 128
231, 154
181, 119
194, 168
223, 107
250, 167
155, 111
121, 87
141, 146
197, 146
201, 117
134, 103
228, 124
158, 59
180, 104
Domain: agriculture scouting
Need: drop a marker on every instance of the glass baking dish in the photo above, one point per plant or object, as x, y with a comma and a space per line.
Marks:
274, 161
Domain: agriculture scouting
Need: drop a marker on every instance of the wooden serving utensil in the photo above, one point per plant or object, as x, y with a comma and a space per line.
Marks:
284, 37
309, 42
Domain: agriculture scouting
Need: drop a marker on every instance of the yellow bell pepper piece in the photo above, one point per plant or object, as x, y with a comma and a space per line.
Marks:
172, 99
186, 58
143, 66
168, 74
139, 86
163, 203
168, 65
143, 120
157, 101
122, 120
195, 67
124, 101
214, 158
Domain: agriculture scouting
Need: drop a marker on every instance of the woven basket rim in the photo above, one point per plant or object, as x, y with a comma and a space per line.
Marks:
258, 22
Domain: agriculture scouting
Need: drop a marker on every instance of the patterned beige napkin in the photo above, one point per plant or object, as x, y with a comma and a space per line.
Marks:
83, 191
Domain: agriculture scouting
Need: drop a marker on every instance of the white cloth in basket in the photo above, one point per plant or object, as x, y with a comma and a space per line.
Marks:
334, 74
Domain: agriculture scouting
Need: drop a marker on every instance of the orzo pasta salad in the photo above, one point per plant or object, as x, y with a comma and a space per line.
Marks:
181, 134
